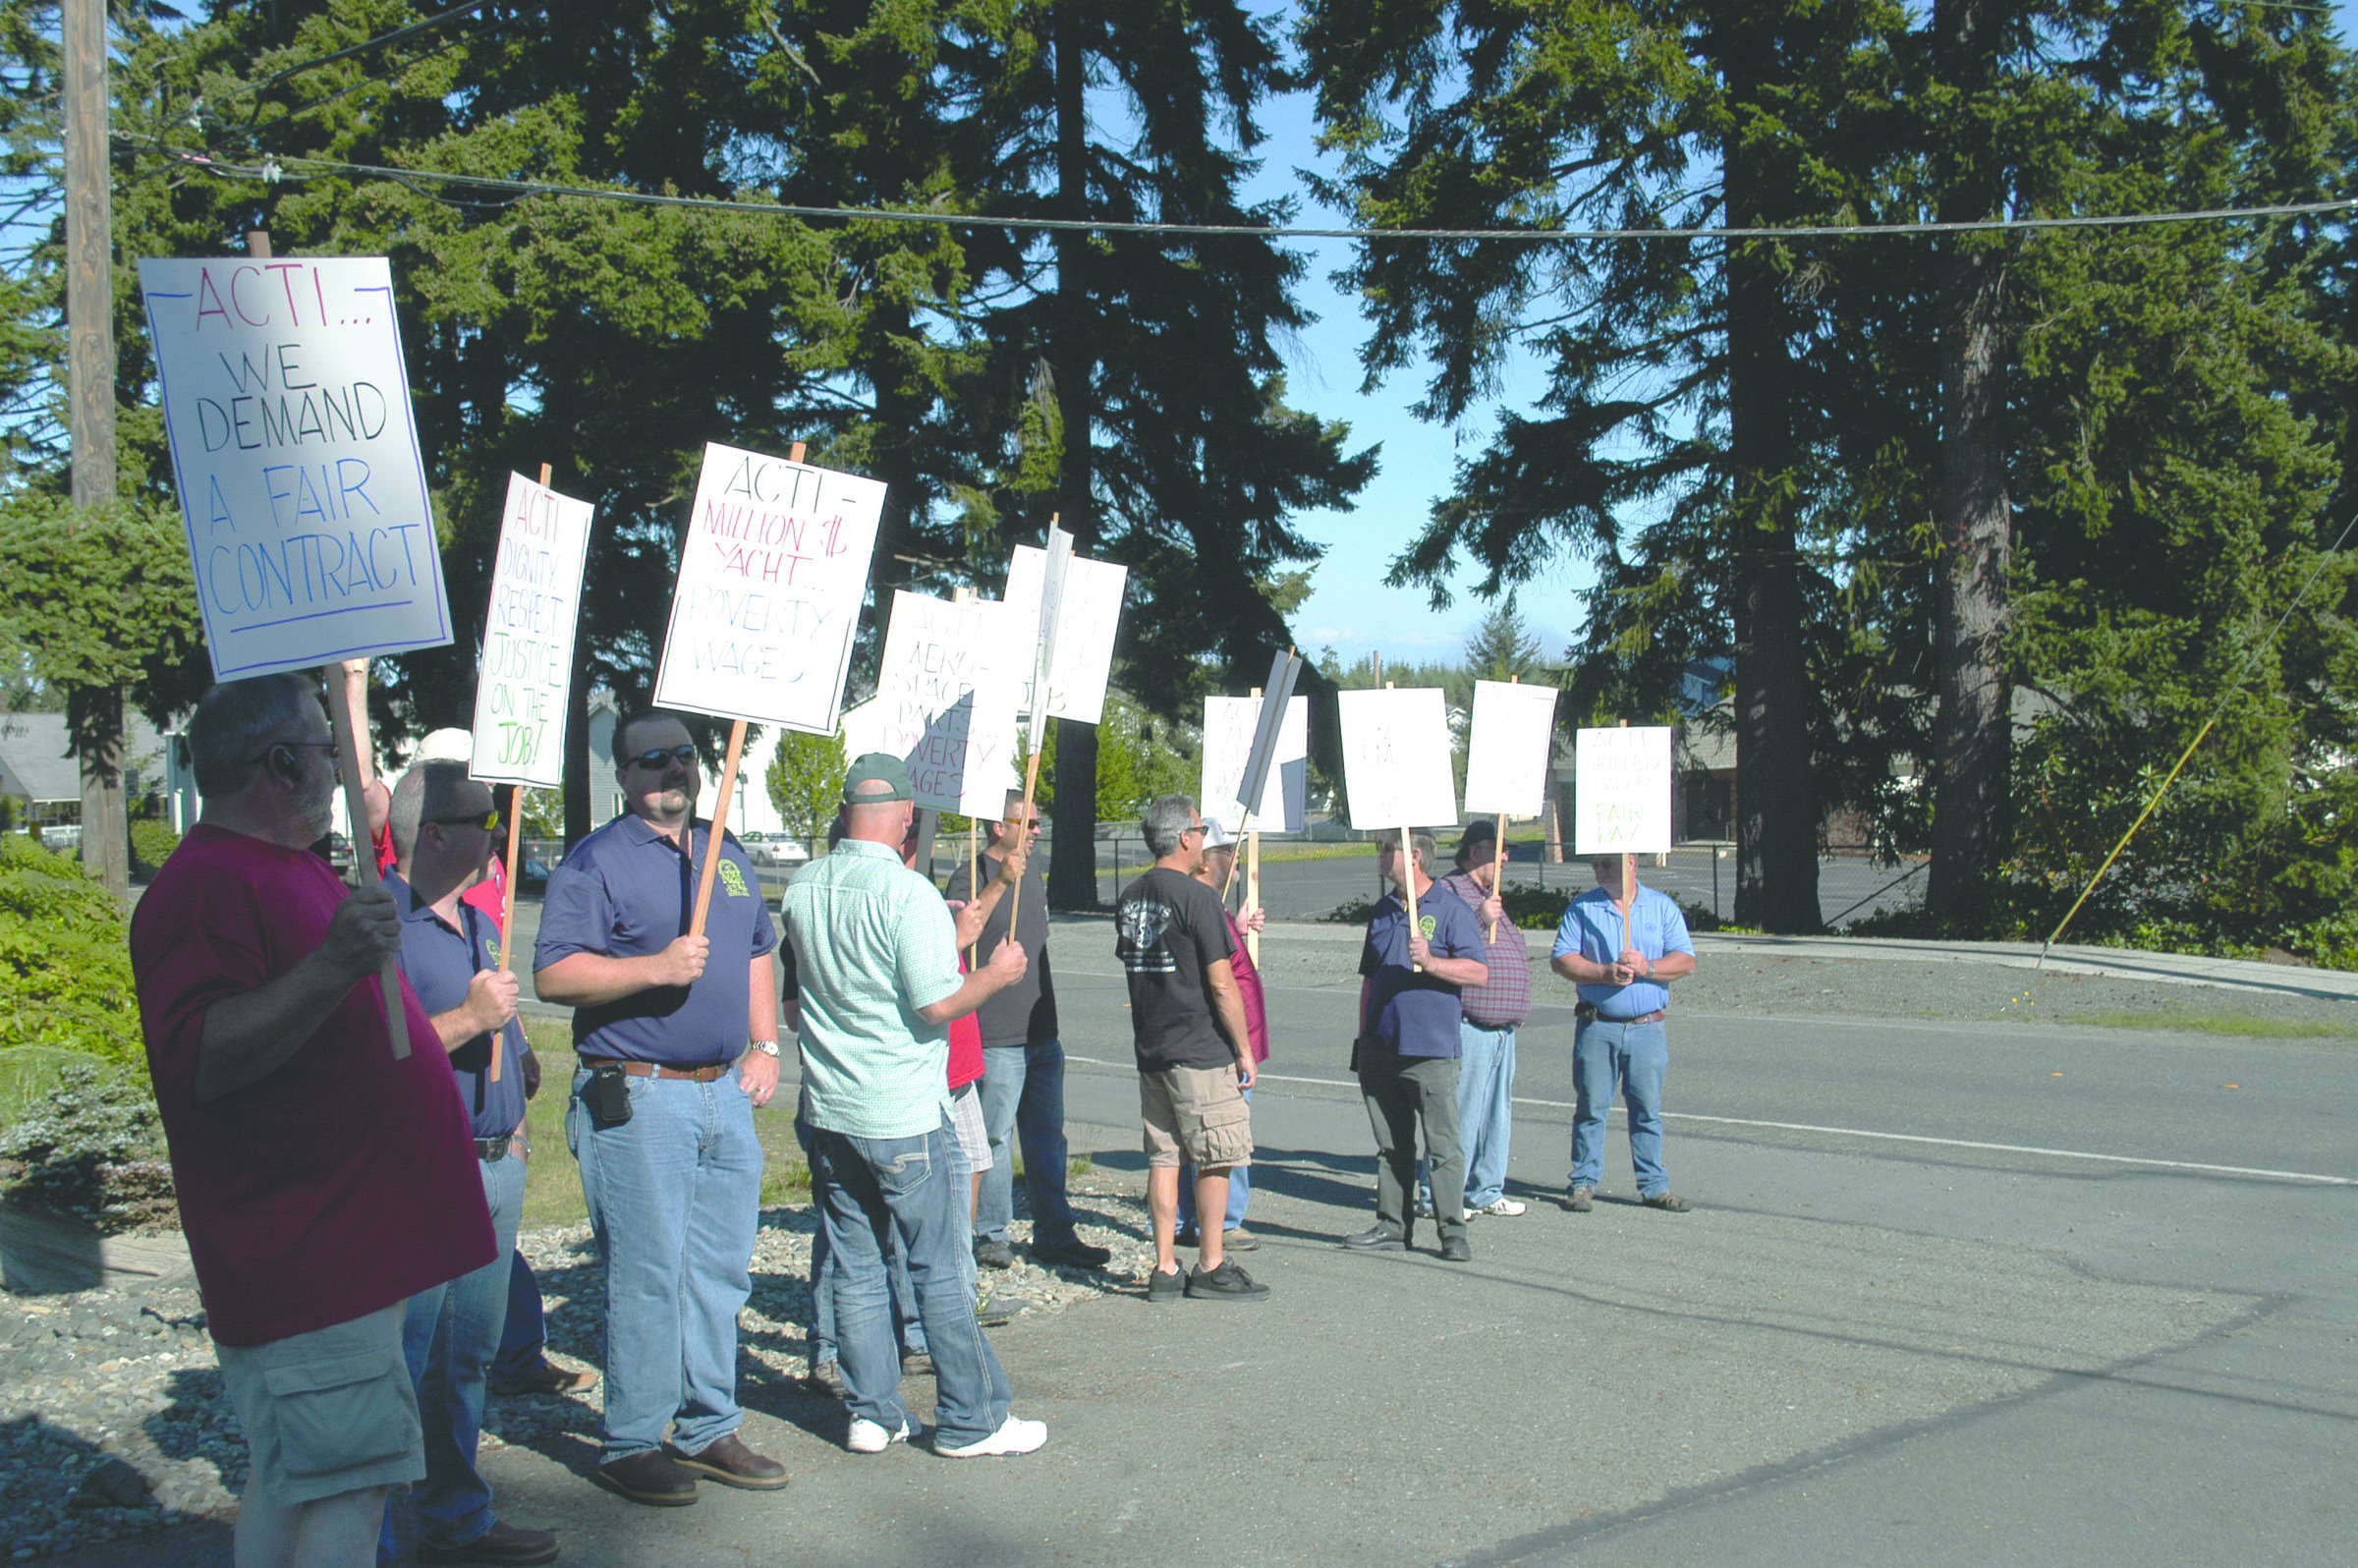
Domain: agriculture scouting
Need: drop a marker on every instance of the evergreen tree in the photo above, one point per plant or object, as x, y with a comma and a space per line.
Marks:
1691, 382
1502, 647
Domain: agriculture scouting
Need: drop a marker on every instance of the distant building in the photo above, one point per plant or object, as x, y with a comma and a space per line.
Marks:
41, 775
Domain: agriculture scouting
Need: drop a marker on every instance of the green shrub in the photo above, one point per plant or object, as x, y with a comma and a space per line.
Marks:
65, 968
92, 1148
152, 842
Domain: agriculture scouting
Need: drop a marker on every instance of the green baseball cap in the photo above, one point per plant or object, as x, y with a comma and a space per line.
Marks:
877, 767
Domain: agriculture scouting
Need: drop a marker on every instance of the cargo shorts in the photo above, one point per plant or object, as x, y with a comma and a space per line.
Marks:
327, 1412
1199, 1112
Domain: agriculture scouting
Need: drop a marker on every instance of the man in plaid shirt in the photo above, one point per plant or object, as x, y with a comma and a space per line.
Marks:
1486, 1078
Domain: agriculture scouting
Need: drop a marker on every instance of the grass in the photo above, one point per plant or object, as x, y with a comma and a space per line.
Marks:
552, 1192
2240, 1025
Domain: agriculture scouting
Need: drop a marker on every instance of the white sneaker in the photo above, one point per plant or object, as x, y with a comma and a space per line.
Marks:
872, 1438
1015, 1435
1504, 1206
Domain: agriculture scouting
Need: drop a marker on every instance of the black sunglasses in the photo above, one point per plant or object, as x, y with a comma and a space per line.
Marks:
671, 754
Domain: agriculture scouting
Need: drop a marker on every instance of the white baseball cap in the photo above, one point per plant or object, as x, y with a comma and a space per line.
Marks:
447, 744
1216, 834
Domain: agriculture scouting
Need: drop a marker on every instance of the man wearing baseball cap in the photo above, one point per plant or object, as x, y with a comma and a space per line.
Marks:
876, 961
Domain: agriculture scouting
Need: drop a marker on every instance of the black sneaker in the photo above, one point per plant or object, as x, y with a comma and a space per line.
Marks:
1228, 1282
1162, 1287
1075, 1254
1581, 1200
994, 1254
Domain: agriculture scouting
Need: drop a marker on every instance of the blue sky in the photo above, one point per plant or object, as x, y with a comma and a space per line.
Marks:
1350, 608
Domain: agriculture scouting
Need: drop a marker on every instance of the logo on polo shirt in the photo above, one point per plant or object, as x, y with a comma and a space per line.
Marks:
732, 879
1426, 926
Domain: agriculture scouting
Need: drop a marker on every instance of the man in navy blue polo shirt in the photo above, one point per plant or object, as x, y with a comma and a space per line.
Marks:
678, 1038
1409, 1043
1621, 943
442, 824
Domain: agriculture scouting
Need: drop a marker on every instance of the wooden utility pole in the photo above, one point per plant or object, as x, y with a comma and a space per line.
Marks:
96, 713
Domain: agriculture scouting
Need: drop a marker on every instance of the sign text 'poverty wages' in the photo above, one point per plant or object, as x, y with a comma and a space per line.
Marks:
772, 571
288, 409
519, 703
948, 702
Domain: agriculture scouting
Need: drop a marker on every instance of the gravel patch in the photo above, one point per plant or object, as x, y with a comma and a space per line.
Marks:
113, 1422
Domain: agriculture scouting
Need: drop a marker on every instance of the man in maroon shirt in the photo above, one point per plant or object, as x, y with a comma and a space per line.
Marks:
322, 1182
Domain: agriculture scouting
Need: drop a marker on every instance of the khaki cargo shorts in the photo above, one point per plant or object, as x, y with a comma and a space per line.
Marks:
327, 1412
1196, 1111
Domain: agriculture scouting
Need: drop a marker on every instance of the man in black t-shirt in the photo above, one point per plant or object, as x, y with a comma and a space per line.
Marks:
1023, 1067
1195, 1056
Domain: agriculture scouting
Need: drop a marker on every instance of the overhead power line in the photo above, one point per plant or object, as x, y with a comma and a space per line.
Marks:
275, 170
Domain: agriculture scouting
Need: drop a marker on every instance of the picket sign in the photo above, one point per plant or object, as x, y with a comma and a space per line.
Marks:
286, 403
949, 702
1087, 611
1270, 780
1397, 765
1506, 760
773, 567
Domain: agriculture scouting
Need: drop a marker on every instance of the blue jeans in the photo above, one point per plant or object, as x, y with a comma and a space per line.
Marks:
1023, 1102
905, 1320
526, 1337
1486, 1107
1634, 1057
674, 1198
878, 1187
1240, 1188
449, 1335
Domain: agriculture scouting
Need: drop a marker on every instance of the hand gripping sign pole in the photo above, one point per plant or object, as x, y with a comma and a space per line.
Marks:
1051, 591
728, 790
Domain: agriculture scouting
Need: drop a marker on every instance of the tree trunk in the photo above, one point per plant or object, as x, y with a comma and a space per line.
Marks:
1073, 861
1973, 726
1777, 809
577, 745
95, 713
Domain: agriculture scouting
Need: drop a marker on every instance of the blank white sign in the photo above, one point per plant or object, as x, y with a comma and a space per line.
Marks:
1088, 618
1506, 760
1396, 759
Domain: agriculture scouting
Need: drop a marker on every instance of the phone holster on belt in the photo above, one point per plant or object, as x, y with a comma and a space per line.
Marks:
607, 1096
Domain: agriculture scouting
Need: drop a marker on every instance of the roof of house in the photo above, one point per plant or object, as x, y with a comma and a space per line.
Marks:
37, 763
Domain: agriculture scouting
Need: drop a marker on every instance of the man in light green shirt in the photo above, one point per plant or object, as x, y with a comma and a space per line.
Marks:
877, 964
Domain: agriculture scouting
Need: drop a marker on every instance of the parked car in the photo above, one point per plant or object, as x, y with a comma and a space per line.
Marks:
531, 875
774, 849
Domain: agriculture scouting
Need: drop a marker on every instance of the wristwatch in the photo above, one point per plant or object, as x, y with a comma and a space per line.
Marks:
768, 1048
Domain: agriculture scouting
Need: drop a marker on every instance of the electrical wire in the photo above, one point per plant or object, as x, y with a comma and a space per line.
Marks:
276, 169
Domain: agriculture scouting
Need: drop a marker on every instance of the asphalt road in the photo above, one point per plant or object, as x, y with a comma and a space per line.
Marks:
1954, 1291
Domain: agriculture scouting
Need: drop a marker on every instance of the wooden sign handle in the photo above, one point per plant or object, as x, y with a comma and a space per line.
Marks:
974, 888
1408, 886
1497, 874
1015, 894
363, 847
720, 823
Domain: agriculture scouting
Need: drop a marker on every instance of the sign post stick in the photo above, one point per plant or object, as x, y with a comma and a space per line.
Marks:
721, 818
363, 853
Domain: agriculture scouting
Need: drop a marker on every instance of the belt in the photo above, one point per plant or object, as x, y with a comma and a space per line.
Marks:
491, 1150
1586, 1013
700, 1074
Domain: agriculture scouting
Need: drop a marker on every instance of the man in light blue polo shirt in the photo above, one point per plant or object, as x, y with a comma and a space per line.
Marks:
876, 960
678, 1038
1622, 944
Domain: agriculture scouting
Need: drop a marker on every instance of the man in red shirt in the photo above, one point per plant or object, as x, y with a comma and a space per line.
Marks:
322, 1182
1220, 859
